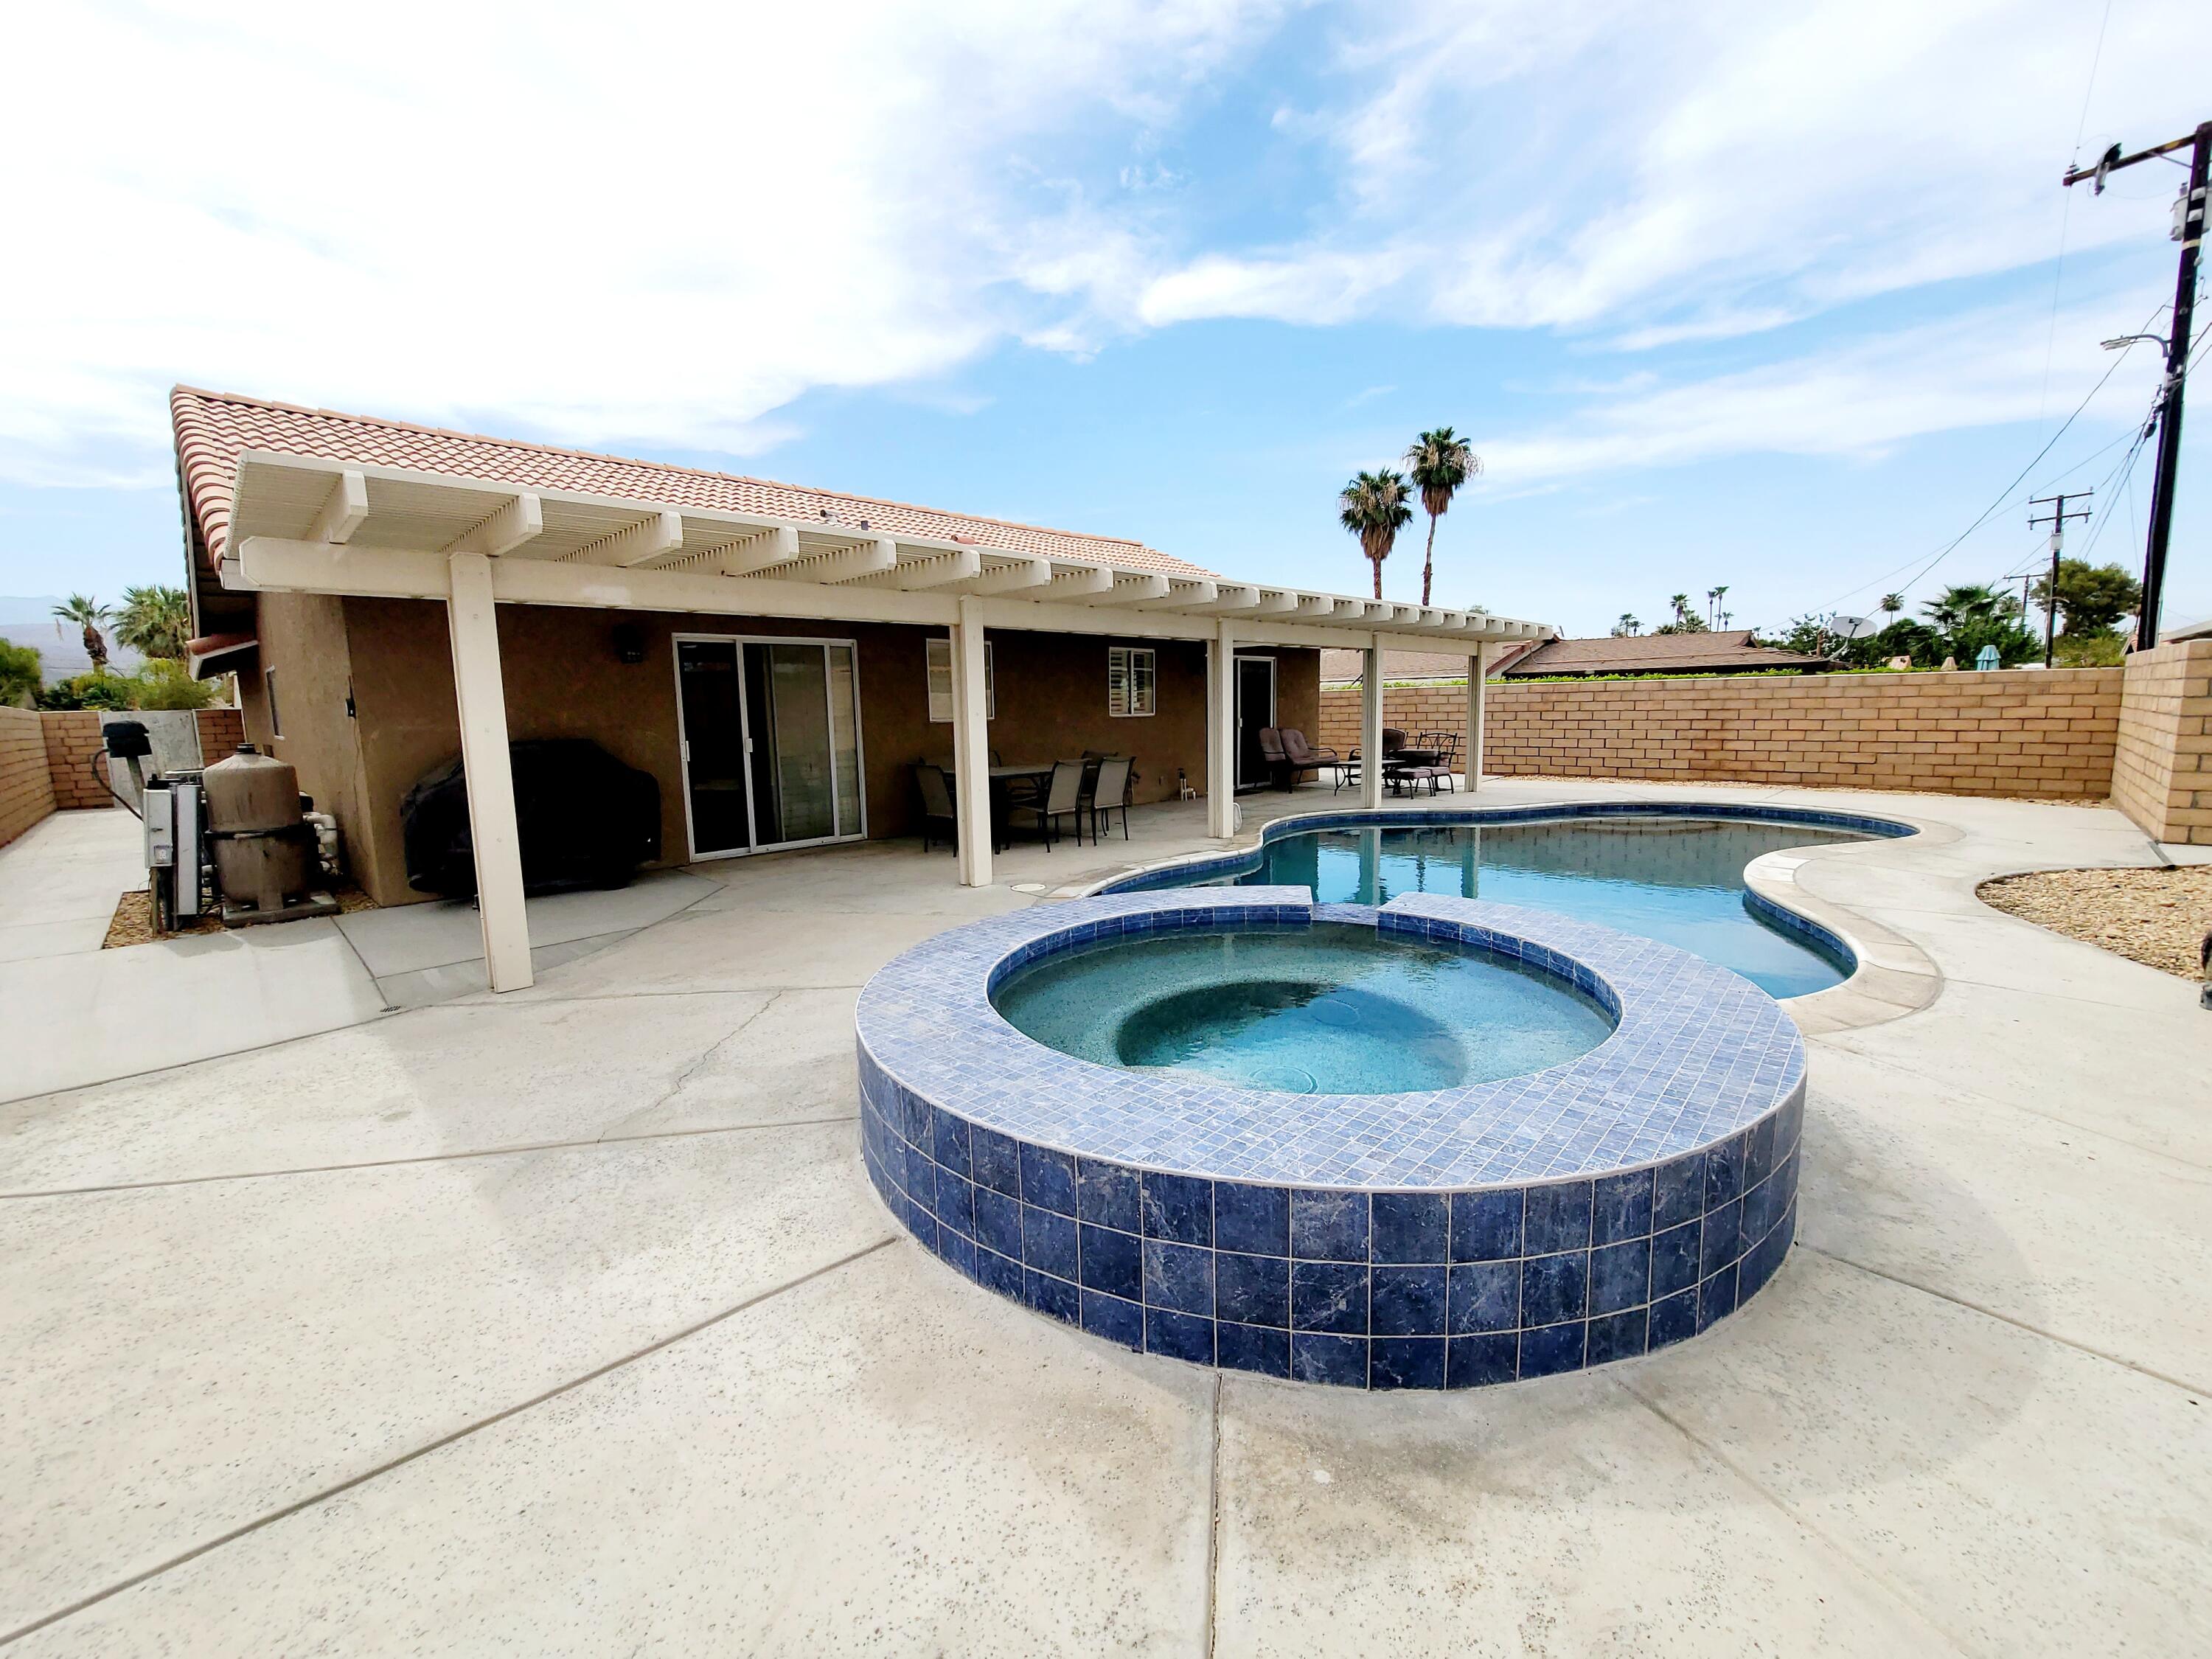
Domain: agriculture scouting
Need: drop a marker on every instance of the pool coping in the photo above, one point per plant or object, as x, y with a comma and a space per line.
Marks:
1358, 1282
927, 1020
1891, 976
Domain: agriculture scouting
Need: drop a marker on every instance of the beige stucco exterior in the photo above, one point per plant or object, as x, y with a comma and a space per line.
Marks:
392, 659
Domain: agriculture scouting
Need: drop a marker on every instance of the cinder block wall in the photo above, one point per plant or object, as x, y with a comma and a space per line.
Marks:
2017, 731
2162, 771
222, 730
26, 790
72, 739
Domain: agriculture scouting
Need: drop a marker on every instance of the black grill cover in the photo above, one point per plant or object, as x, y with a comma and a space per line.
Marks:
587, 820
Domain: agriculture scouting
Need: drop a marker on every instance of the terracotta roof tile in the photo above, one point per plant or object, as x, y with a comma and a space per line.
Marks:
1658, 653
213, 427
1340, 667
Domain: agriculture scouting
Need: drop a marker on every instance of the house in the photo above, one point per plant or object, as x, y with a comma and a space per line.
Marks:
1342, 667
1727, 652
392, 595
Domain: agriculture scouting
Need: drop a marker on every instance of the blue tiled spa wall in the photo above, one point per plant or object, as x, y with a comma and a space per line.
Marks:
1510, 1229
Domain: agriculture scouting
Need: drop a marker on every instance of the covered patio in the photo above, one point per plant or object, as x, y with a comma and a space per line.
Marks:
302, 524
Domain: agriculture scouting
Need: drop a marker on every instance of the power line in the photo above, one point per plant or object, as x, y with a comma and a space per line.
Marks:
2065, 218
2004, 497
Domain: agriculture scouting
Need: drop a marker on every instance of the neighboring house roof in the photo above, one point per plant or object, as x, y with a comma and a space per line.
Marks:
1344, 667
213, 427
2195, 630
1660, 654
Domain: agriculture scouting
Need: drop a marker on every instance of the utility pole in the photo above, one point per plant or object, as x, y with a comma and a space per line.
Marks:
2056, 519
2188, 231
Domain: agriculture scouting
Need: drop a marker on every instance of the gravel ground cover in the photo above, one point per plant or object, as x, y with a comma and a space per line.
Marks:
2159, 917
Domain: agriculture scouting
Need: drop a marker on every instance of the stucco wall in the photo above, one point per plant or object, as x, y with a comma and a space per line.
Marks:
303, 638
2017, 731
27, 789
2162, 771
563, 679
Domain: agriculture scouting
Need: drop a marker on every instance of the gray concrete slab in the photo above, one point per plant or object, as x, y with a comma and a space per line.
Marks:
875, 1461
186, 1359
630, 1391
408, 938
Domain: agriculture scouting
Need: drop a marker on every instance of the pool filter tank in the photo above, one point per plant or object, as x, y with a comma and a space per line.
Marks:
264, 848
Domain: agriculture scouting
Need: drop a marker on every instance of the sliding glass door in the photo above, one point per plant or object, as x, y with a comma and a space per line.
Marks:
770, 731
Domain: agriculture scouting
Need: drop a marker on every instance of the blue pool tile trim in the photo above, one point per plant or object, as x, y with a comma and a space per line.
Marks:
1824, 941
1386, 1253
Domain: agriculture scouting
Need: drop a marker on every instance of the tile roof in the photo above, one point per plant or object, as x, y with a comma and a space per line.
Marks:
213, 427
1342, 667
1658, 653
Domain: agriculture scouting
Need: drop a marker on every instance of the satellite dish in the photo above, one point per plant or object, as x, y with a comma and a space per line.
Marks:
1853, 628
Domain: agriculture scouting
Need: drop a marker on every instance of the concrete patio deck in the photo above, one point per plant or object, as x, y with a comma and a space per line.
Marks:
565, 1322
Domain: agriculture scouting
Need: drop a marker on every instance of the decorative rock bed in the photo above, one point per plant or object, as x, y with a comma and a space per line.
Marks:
1513, 1229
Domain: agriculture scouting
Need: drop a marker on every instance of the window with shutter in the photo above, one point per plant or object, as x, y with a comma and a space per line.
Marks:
1132, 681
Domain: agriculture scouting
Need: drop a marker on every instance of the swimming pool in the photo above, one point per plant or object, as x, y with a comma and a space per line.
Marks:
1602, 1207
1331, 1008
1676, 876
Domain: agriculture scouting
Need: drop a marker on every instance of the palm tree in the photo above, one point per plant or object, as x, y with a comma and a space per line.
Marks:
1720, 605
1373, 508
88, 613
1626, 627
1968, 602
154, 622
1681, 604
1440, 462
1892, 603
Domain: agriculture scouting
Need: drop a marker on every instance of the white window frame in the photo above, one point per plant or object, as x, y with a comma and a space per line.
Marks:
1132, 673
939, 672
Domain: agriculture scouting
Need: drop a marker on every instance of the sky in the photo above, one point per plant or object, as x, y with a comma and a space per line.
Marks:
1782, 298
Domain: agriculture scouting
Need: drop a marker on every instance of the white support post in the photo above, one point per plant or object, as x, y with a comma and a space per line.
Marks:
971, 747
1370, 726
1221, 731
478, 687
1478, 671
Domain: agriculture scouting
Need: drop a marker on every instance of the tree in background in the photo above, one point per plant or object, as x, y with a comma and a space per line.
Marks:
1971, 615
1627, 627
89, 614
1373, 507
1686, 621
154, 622
21, 675
1438, 462
1892, 603
2093, 600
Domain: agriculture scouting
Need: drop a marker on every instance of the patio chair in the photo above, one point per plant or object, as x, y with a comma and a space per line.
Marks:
1295, 744
1275, 757
1062, 799
936, 804
1302, 756
1110, 794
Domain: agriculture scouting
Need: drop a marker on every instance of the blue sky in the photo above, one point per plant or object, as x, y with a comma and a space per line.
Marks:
1781, 297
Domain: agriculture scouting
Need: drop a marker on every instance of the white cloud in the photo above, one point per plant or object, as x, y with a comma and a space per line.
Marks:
649, 227
661, 230
1686, 174
1858, 398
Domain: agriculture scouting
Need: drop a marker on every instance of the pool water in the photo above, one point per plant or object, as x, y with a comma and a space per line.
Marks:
1331, 1009
1679, 880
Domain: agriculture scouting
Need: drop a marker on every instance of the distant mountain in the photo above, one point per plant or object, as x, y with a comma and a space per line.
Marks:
64, 659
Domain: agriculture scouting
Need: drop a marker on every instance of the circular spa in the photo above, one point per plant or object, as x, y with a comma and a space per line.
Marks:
1436, 1144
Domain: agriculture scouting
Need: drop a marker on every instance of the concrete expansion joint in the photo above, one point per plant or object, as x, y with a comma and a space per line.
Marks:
2195, 1391
338, 1489
1870, 1571
520, 1150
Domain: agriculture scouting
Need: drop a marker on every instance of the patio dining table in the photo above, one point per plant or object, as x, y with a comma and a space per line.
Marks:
1004, 779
